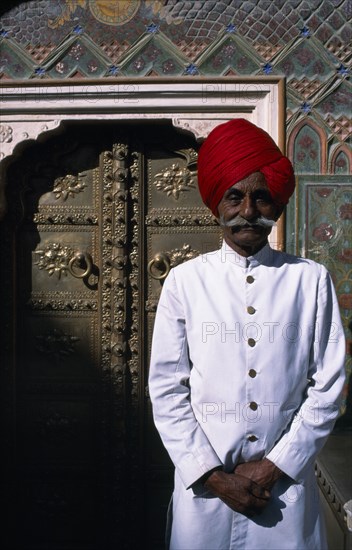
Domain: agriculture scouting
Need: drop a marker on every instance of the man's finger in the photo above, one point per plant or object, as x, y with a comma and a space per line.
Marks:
259, 492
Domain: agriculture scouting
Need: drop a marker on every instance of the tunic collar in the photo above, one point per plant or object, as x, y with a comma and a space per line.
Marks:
263, 256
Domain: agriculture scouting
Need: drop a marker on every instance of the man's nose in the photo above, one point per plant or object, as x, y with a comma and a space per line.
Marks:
249, 210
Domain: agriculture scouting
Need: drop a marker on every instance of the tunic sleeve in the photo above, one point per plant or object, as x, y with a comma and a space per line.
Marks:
184, 439
299, 445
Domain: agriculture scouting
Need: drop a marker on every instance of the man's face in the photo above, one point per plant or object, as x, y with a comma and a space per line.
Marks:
250, 200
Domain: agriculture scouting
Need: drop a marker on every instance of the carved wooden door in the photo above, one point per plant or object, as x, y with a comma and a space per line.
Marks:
97, 217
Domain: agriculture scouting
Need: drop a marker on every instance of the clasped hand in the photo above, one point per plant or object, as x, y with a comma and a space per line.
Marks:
247, 488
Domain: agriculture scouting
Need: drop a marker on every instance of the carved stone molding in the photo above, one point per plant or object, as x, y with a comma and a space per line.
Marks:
6, 134
201, 127
21, 131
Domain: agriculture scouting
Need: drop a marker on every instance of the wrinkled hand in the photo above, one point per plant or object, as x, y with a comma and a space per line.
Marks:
240, 493
263, 472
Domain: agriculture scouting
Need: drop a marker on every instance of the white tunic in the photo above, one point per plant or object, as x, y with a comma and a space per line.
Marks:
247, 362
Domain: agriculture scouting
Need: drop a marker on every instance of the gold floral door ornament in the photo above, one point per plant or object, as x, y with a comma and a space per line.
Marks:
159, 266
60, 260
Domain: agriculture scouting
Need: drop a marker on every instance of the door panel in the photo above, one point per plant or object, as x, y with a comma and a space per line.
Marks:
57, 383
97, 217
177, 228
57, 346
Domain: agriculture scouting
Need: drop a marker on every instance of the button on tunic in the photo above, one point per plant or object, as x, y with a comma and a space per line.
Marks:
247, 362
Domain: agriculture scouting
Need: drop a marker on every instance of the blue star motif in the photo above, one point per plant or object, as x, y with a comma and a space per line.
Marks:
113, 70
152, 28
77, 29
191, 69
267, 69
230, 28
39, 71
305, 31
306, 107
4, 33
342, 70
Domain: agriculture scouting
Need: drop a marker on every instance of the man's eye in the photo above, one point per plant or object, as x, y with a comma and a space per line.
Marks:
235, 198
264, 199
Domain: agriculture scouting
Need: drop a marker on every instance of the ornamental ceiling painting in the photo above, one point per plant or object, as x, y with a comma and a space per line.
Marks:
264, 35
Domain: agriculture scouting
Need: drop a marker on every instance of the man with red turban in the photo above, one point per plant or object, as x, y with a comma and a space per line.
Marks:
235, 150
247, 364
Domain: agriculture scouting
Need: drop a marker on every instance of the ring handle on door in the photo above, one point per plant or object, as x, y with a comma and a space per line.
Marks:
80, 258
161, 263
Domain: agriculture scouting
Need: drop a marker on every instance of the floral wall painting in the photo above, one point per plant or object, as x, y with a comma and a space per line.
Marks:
307, 151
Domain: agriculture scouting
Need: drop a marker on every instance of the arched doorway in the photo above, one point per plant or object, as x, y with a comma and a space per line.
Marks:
96, 216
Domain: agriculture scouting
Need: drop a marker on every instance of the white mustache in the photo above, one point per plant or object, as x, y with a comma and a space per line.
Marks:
238, 221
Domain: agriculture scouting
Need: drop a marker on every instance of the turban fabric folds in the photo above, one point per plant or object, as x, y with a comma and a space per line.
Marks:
232, 152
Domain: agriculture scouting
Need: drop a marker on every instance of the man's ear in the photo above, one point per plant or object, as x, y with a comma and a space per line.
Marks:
279, 210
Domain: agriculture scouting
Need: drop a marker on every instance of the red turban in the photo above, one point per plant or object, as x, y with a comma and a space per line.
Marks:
232, 152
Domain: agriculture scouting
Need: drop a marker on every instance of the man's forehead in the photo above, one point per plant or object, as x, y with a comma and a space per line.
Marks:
253, 182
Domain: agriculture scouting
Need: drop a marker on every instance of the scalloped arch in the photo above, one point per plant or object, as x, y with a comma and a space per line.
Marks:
334, 155
320, 165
